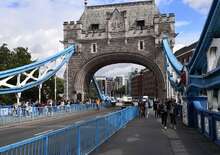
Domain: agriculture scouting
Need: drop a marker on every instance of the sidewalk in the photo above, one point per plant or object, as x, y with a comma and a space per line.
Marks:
145, 137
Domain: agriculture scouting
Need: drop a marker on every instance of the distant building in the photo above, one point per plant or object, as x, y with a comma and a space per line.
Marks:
127, 84
110, 86
119, 82
184, 54
149, 84
136, 85
101, 80
143, 84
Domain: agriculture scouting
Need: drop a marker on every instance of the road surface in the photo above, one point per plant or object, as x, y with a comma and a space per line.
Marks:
26, 130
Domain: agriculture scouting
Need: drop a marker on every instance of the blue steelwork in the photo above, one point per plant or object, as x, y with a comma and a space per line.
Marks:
11, 115
77, 139
208, 81
207, 122
211, 30
176, 65
67, 53
100, 95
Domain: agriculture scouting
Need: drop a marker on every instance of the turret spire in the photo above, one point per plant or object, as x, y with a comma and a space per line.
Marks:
85, 2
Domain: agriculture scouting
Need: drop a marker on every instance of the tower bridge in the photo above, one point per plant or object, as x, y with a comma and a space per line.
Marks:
134, 32
117, 33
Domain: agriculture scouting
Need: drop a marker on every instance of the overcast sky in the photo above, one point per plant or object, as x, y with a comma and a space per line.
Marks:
37, 24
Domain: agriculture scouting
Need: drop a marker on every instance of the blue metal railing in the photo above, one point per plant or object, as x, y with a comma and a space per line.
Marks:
66, 54
103, 97
11, 115
100, 95
210, 31
80, 138
207, 122
176, 65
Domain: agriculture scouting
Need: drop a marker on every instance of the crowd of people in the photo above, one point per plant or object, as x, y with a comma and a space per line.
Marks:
26, 108
166, 110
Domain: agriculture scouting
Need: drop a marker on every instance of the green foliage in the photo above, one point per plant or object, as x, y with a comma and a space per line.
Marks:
49, 86
18, 57
11, 59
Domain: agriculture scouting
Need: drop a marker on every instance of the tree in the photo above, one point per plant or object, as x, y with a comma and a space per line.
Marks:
5, 57
21, 56
11, 59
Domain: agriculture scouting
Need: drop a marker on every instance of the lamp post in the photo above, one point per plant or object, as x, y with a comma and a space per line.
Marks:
55, 87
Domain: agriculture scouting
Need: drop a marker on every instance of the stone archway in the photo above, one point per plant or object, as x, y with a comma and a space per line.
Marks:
86, 72
117, 33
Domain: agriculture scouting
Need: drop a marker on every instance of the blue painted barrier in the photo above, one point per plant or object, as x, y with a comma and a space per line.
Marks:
207, 122
11, 115
80, 138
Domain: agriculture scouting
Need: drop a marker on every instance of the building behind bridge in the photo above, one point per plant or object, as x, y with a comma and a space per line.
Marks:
143, 83
184, 54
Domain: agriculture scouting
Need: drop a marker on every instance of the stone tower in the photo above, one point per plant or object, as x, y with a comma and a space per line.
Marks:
117, 33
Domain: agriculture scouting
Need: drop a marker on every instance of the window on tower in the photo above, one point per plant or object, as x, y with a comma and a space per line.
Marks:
94, 48
94, 27
140, 24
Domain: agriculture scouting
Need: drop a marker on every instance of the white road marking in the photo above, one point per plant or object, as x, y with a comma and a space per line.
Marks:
41, 133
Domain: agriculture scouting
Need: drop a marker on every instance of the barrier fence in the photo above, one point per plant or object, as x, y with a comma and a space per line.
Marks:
207, 122
78, 139
11, 115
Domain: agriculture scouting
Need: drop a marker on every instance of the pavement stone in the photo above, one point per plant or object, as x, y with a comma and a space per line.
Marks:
146, 137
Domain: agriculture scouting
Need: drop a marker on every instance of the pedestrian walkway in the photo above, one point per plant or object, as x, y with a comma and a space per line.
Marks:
146, 137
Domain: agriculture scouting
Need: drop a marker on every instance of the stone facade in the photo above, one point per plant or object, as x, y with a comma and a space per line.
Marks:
144, 84
116, 33
184, 54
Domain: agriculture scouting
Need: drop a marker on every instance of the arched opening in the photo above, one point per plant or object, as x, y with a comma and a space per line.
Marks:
87, 71
124, 80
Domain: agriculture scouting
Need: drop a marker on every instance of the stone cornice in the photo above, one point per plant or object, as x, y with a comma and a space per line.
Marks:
122, 4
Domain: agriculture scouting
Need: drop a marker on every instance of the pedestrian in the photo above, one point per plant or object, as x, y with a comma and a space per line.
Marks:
155, 107
173, 114
147, 106
139, 108
143, 108
50, 106
98, 104
164, 111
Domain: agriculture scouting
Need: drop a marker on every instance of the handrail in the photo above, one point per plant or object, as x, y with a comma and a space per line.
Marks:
14, 71
177, 66
207, 81
209, 31
112, 123
64, 55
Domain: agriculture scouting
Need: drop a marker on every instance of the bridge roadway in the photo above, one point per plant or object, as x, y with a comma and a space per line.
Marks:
146, 137
18, 132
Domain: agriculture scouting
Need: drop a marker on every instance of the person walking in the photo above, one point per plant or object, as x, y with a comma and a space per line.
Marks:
163, 111
173, 114
143, 109
98, 104
155, 107
139, 109
147, 106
